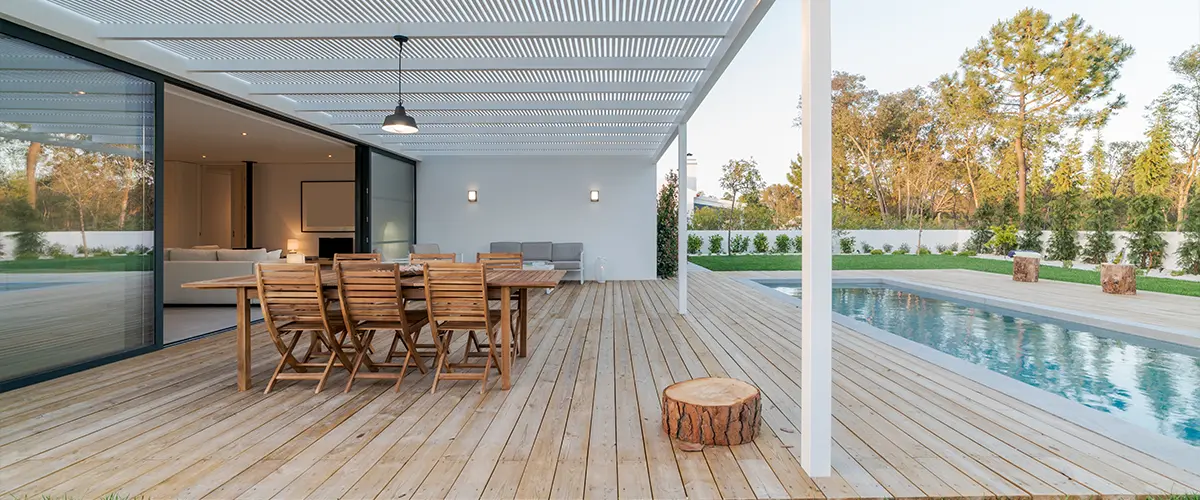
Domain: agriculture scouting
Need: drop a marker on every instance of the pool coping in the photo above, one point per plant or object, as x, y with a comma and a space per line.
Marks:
1179, 453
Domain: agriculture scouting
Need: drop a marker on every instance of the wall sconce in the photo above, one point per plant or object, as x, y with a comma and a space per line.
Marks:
595, 195
472, 196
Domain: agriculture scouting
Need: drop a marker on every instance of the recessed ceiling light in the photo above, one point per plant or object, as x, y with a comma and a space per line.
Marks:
243, 133
204, 156
331, 156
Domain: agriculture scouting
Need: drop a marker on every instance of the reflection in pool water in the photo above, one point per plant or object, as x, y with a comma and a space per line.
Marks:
1152, 384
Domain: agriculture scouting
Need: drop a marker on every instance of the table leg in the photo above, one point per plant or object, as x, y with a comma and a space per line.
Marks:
243, 339
524, 305
505, 337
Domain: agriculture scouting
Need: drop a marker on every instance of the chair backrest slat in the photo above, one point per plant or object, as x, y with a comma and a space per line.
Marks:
457, 292
290, 293
370, 291
421, 258
357, 257
499, 261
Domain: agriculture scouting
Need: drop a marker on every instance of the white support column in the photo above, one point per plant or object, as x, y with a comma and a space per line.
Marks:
683, 216
817, 322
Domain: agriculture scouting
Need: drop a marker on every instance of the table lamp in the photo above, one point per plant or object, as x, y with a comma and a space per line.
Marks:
294, 256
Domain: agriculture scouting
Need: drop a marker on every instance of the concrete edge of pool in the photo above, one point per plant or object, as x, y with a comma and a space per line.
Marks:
1127, 433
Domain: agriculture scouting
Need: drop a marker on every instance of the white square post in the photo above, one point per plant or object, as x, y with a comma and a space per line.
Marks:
681, 142
816, 381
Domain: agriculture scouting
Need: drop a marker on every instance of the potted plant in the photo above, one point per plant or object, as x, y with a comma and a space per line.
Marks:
1118, 278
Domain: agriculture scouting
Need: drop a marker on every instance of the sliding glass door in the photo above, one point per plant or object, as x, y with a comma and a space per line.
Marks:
392, 215
77, 211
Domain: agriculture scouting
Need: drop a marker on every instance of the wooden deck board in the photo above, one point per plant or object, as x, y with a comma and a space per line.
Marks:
582, 420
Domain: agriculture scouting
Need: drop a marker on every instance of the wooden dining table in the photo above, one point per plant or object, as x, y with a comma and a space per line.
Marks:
505, 282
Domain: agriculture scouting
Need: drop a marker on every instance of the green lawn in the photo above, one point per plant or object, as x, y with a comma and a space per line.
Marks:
80, 265
853, 262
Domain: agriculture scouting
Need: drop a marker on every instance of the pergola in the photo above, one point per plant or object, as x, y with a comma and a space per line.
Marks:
529, 77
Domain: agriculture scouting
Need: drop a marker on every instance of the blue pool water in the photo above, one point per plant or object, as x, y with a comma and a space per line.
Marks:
1152, 384
7, 286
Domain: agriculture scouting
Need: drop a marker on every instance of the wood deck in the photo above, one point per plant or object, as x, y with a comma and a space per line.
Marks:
581, 420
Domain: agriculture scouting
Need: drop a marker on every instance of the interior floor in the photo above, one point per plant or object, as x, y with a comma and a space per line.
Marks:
186, 322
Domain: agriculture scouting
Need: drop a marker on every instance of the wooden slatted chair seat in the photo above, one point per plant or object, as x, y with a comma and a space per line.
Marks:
293, 303
372, 299
422, 258
357, 257
457, 300
502, 262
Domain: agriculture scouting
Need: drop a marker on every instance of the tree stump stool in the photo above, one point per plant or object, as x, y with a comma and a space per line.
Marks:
1026, 268
711, 411
1118, 279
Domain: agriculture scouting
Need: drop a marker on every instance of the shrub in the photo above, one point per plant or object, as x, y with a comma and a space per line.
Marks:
941, 248
57, 251
27, 223
899, 252
923, 250
760, 243
1004, 239
1189, 250
846, 244
980, 238
1067, 264
120, 250
904, 248
1146, 247
668, 227
739, 243
876, 252
866, 247
1031, 241
798, 243
966, 253
143, 249
887, 248
101, 252
694, 243
782, 243
714, 244
947, 252
81, 250
953, 247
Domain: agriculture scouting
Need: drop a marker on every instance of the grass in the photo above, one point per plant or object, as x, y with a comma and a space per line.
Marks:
80, 265
867, 262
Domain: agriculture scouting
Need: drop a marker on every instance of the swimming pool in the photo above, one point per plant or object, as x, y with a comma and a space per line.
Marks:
1152, 384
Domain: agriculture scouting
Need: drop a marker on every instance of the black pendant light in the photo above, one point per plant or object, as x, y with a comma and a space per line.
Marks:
399, 122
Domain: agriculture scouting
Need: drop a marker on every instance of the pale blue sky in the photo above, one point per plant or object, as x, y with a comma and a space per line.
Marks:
900, 44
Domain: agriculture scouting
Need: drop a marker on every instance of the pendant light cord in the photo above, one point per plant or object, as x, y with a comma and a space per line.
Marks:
400, 77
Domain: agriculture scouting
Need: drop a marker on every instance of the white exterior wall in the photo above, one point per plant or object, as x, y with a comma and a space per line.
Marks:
543, 198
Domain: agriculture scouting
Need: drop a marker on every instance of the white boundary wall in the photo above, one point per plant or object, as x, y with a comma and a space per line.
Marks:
930, 238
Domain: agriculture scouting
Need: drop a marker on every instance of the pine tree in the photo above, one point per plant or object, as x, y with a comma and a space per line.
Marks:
1189, 250
1100, 182
1147, 248
1101, 223
1152, 168
668, 226
1064, 208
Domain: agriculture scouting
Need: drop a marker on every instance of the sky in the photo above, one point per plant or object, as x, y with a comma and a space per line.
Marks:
901, 44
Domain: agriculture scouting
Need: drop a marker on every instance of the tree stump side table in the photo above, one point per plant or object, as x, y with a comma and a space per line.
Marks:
1118, 279
712, 411
1026, 268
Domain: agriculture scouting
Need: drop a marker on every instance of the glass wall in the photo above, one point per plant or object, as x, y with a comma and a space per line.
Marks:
76, 211
393, 215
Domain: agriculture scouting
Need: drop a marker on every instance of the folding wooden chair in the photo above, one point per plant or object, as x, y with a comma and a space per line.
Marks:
500, 262
372, 299
421, 258
456, 299
357, 257
292, 304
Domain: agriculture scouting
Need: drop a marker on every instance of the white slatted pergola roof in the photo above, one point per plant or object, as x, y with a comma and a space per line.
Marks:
481, 76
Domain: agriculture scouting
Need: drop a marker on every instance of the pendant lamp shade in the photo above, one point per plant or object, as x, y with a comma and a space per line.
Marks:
399, 122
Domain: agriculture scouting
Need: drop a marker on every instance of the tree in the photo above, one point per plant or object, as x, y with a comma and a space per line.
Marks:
1152, 168
32, 155
705, 219
739, 176
965, 112
1189, 250
1101, 223
668, 226
83, 179
1182, 102
1066, 185
1041, 73
1100, 181
784, 202
1147, 247
795, 175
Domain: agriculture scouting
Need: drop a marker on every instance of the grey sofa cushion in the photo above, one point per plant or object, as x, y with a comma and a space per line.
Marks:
193, 255
426, 248
536, 250
504, 247
568, 265
567, 252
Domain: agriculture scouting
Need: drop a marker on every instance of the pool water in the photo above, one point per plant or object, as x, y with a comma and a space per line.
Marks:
1152, 384
7, 286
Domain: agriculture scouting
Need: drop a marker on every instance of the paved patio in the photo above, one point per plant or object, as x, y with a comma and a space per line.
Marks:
581, 420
